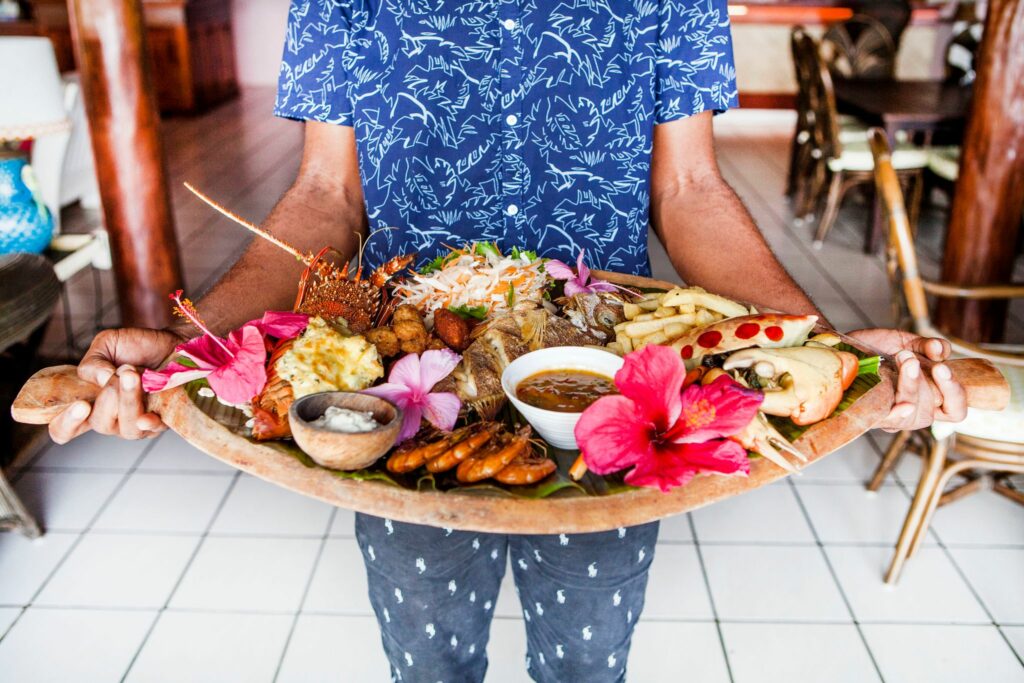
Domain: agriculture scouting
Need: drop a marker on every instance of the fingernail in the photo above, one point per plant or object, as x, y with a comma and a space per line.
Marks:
904, 411
80, 411
129, 381
904, 356
913, 369
942, 373
103, 376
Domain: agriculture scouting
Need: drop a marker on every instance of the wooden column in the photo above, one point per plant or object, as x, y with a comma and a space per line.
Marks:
986, 213
125, 126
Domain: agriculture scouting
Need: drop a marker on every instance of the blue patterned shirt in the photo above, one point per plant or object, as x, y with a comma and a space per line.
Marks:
526, 122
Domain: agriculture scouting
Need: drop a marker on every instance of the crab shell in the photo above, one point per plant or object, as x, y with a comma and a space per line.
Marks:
812, 379
768, 330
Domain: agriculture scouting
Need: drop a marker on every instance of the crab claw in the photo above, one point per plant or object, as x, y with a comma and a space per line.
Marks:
759, 436
810, 379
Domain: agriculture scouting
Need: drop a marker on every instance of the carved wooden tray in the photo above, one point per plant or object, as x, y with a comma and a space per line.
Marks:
507, 514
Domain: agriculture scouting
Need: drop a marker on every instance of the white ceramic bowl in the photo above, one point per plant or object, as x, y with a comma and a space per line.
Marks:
554, 427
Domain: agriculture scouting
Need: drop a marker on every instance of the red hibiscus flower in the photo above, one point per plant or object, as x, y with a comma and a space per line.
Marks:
666, 434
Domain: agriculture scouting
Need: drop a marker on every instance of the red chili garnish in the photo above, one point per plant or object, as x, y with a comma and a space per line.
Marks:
687, 352
747, 330
709, 339
774, 333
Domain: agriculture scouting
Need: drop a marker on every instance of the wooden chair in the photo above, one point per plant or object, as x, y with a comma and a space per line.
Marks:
847, 160
991, 442
802, 153
860, 47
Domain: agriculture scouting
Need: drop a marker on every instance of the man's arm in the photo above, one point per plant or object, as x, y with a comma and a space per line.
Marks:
710, 237
324, 206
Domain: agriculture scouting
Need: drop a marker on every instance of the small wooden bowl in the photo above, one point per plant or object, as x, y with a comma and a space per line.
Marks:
338, 450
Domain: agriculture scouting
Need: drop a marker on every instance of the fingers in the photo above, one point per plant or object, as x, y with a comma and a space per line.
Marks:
103, 418
72, 422
954, 398
129, 402
907, 412
931, 348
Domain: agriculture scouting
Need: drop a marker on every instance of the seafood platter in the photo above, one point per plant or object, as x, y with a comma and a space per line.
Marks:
500, 391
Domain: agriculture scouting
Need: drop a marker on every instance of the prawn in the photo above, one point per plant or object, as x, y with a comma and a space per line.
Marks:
417, 453
526, 469
495, 457
464, 448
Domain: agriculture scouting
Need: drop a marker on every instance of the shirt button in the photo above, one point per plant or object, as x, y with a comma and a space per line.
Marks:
509, 24
511, 119
512, 210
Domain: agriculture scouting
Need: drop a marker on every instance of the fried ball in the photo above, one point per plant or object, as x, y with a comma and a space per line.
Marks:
418, 345
385, 339
452, 329
406, 312
436, 344
408, 329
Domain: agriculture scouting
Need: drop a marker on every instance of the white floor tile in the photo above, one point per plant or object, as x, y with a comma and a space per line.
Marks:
506, 652
768, 514
165, 502
204, 647
929, 590
25, 564
255, 506
7, 617
773, 583
51, 645
675, 586
93, 451
849, 513
984, 518
119, 570
173, 453
1015, 634
997, 575
675, 529
312, 655
339, 583
508, 604
66, 500
343, 524
854, 463
242, 574
783, 653
666, 652
942, 654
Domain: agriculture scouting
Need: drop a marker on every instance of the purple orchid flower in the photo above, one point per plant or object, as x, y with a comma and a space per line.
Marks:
578, 282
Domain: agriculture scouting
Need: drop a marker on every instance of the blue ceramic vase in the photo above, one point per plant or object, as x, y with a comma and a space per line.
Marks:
25, 223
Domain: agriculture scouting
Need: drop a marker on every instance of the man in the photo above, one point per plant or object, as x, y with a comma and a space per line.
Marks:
551, 126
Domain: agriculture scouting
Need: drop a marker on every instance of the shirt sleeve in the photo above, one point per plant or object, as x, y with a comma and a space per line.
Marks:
313, 83
695, 67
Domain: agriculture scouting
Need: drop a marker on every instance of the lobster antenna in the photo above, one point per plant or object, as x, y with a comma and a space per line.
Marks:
362, 244
251, 227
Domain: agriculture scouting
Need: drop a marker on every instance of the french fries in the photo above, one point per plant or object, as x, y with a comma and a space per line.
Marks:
663, 318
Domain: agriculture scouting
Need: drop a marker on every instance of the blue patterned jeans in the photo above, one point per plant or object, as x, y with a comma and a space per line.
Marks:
434, 592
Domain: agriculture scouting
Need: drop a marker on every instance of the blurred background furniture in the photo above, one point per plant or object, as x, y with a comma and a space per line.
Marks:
190, 45
860, 47
29, 289
987, 443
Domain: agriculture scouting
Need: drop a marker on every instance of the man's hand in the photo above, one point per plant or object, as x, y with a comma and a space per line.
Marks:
112, 362
919, 402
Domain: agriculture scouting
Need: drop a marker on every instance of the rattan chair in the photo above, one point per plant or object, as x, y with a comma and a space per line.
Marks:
860, 47
989, 442
847, 161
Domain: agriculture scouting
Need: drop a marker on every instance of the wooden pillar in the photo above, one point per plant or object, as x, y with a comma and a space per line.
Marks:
125, 127
986, 213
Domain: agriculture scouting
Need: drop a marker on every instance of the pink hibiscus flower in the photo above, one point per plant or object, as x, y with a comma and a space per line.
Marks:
409, 386
666, 434
578, 282
235, 367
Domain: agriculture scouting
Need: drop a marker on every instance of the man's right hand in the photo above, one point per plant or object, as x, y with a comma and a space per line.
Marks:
112, 362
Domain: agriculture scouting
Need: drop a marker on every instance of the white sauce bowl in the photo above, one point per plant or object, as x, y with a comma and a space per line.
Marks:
555, 427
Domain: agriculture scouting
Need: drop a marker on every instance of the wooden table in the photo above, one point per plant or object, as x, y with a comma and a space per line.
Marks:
913, 106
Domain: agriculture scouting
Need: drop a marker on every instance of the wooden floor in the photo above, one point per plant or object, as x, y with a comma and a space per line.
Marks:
246, 158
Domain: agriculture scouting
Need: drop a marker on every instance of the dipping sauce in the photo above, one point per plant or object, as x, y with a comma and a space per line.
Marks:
564, 391
345, 421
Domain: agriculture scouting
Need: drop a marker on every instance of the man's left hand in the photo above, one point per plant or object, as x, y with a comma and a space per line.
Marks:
920, 399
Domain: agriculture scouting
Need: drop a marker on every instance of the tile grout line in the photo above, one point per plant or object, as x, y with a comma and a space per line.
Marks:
835, 579
81, 535
305, 592
711, 597
184, 571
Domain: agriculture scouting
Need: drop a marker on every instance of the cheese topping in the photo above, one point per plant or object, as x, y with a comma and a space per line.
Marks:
323, 359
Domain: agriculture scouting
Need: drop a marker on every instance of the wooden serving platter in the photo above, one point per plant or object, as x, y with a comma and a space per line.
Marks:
502, 513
